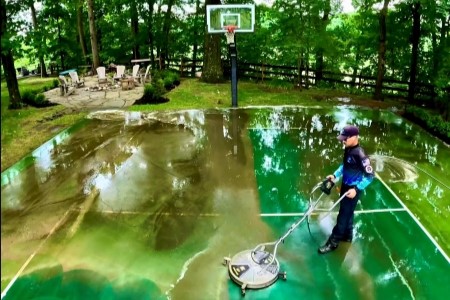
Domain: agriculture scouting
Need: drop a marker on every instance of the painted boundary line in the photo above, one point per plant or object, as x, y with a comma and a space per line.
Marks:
415, 219
369, 211
298, 214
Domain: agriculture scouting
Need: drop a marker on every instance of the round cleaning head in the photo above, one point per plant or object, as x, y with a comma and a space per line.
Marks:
252, 270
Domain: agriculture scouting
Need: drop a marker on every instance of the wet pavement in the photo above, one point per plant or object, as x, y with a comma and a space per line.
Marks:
91, 96
130, 205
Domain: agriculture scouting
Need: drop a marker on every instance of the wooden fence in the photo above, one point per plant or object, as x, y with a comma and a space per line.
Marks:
264, 72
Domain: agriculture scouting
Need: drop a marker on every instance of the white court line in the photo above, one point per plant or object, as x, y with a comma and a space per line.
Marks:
34, 253
297, 214
127, 212
369, 211
415, 219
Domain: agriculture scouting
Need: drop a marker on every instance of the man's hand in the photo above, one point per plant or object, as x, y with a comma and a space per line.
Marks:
351, 193
331, 177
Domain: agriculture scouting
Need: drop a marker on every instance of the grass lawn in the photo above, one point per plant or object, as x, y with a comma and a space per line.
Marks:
26, 129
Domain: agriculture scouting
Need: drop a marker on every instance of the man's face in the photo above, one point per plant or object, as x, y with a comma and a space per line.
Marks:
350, 141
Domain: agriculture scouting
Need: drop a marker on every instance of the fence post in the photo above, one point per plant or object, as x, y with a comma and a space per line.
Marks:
262, 72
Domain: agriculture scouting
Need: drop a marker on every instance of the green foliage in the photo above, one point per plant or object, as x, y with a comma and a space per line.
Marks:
35, 98
28, 96
32, 94
430, 121
153, 93
170, 79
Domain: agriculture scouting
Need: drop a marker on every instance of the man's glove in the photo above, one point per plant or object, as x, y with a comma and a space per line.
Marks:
326, 186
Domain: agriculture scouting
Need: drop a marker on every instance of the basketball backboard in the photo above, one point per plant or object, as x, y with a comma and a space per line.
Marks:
218, 17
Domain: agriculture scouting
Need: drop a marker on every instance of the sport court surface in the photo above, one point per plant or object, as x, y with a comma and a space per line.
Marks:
145, 206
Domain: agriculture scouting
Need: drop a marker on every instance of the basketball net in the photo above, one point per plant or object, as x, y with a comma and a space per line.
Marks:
230, 33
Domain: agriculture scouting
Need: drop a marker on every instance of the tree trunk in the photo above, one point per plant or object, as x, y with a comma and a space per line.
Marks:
135, 29
39, 41
378, 95
80, 27
158, 18
61, 53
166, 30
320, 50
11, 80
8, 64
151, 45
212, 64
355, 69
194, 31
93, 31
307, 70
300, 70
415, 38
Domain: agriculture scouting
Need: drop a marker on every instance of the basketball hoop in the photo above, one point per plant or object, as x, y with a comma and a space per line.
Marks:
230, 33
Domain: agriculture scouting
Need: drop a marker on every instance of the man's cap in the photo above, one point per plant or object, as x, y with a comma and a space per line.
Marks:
348, 131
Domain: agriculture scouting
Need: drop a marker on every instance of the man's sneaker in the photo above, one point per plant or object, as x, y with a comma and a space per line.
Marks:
348, 239
328, 247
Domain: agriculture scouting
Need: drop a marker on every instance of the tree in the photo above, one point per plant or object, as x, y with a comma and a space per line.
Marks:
150, 35
212, 63
93, 32
38, 41
134, 28
415, 38
8, 60
197, 22
80, 28
378, 95
320, 49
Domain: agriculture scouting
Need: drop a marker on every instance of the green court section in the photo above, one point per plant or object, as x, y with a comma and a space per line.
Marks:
391, 255
381, 264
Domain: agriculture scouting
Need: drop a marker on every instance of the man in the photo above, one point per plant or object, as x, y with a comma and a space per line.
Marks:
357, 174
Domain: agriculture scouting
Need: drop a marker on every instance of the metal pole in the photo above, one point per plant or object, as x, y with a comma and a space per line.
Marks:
233, 56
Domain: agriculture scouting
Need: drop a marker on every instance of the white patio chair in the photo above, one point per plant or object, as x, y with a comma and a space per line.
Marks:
120, 72
101, 73
64, 87
147, 73
135, 74
75, 80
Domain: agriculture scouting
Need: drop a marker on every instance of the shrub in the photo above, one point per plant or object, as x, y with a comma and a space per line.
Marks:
28, 96
168, 83
153, 93
35, 99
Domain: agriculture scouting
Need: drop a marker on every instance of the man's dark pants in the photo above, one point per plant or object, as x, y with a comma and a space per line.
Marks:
343, 229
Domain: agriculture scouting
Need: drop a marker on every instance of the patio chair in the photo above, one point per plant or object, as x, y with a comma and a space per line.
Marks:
64, 87
135, 74
75, 80
147, 73
101, 73
120, 72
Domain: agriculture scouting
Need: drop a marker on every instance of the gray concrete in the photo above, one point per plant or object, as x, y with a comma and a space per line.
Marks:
111, 96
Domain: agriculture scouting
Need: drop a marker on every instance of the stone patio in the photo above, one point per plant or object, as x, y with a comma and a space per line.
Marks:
87, 97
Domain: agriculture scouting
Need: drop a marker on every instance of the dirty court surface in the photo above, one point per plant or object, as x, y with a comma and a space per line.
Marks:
146, 206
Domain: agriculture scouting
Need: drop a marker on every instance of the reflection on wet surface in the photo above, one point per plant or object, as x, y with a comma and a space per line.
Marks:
134, 205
